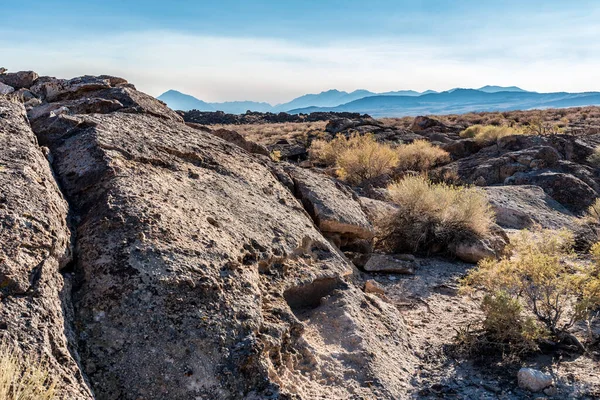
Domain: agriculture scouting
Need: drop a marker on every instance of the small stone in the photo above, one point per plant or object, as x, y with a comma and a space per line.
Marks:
5, 89
372, 286
390, 263
533, 379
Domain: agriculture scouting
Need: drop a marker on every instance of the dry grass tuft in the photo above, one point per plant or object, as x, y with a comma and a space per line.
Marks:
23, 378
594, 158
489, 133
420, 156
431, 216
268, 134
359, 158
364, 160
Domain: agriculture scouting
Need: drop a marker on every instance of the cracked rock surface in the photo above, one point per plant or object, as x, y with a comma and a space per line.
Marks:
35, 246
197, 273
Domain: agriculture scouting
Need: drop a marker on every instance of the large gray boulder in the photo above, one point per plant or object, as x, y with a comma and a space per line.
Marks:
19, 80
520, 207
35, 249
199, 272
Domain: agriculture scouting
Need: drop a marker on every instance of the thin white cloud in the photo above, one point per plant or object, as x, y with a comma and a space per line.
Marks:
229, 68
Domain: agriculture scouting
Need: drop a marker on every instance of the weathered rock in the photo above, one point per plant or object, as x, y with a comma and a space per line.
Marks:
426, 124
35, 244
19, 80
339, 125
289, 150
568, 190
5, 89
462, 148
372, 286
196, 264
474, 250
23, 95
395, 264
520, 207
533, 380
377, 210
237, 139
333, 206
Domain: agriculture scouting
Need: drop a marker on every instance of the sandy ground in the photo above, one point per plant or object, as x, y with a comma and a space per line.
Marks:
433, 309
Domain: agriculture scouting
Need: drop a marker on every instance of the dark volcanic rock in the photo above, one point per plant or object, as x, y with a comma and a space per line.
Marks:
570, 191
254, 117
35, 245
520, 207
195, 263
19, 80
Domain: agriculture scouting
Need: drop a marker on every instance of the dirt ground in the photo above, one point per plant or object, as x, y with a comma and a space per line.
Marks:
434, 310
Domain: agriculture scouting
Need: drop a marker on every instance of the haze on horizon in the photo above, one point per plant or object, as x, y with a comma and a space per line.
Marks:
274, 51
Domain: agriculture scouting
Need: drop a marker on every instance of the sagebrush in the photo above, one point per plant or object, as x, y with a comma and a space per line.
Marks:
489, 133
358, 158
420, 156
543, 276
433, 217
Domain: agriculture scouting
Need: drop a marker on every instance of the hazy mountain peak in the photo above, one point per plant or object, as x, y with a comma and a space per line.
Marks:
495, 89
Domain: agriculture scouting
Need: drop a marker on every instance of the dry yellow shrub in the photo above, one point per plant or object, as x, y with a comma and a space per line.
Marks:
421, 156
434, 216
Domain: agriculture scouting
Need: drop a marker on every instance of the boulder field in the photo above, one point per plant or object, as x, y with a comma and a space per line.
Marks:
147, 259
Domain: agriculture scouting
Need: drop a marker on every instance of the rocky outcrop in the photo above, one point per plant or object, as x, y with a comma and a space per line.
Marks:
550, 162
235, 138
35, 251
521, 207
567, 189
334, 207
198, 273
5, 89
394, 264
255, 117
19, 80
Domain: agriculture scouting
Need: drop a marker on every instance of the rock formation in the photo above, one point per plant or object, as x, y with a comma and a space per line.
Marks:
196, 273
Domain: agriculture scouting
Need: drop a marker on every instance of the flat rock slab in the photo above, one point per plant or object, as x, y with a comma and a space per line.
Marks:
334, 207
395, 264
520, 207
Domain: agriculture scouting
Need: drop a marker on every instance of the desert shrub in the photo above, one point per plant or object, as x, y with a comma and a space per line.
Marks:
420, 155
538, 126
326, 152
594, 158
275, 155
432, 216
23, 378
543, 277
358, 158
506, 324
489, 133
364, 159
593, 211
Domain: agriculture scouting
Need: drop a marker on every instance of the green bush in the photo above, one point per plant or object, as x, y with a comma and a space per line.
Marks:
542, 276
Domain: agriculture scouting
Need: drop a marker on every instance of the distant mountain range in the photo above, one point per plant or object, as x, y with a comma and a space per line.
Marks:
399, 103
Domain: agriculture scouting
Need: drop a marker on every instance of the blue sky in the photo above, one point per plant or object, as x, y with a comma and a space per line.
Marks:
275, 50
